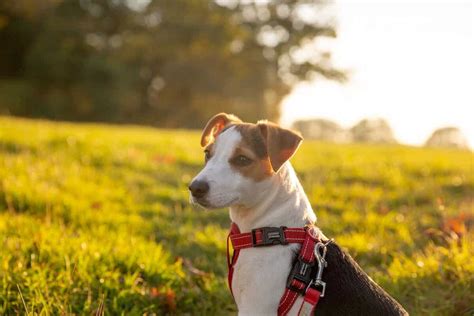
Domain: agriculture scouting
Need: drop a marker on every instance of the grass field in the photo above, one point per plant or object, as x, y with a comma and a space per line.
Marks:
96, 219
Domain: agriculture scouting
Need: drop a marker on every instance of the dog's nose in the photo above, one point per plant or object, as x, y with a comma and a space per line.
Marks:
199, 188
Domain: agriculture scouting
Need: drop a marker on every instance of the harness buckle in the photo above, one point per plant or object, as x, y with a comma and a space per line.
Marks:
301, 271
270, 236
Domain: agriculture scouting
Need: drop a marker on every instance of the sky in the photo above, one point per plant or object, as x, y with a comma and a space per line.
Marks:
410, 62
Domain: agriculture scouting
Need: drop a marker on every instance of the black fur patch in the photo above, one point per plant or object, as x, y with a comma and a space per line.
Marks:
349, 290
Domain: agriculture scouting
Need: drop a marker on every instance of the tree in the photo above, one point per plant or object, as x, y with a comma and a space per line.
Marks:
448, 137
170, 63
323, 129
372, 131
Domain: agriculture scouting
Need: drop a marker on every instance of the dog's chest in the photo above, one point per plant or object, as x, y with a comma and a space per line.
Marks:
260, 276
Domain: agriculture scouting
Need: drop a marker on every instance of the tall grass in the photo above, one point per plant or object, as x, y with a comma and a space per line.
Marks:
96, 219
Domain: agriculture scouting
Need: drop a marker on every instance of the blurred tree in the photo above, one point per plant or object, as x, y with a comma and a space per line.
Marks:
162, 62
376, 131
323, 130
448, 137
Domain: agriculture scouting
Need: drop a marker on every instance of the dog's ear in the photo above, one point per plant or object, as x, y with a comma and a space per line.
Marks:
281, 143
215, 125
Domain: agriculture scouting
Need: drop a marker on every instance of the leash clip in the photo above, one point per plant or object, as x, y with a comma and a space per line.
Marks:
320, 250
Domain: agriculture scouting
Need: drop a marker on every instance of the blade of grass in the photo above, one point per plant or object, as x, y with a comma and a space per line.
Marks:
100, 310
22, 299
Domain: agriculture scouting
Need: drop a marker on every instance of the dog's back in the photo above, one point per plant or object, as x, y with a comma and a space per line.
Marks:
350, 291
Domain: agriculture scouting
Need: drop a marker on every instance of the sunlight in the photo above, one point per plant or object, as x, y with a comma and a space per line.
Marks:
405, 66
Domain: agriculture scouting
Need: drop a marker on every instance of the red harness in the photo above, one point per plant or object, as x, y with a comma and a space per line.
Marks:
300, 280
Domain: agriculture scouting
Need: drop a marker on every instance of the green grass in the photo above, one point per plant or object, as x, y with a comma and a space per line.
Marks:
96, 217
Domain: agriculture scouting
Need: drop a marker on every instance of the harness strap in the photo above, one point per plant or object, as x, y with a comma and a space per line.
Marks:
266, 236
234, 230
300, 275
311, 299
296, 283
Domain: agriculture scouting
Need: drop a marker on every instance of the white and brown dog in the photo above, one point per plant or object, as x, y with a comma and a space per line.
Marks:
247, 170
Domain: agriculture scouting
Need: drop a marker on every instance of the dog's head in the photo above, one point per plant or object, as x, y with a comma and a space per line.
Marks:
241, 159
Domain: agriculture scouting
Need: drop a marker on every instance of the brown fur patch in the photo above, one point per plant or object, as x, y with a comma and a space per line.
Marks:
265, 143
281, 143
215, 125
252, 146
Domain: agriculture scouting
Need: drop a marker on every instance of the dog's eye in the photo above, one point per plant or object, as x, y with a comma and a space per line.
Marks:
207, 155
241, 160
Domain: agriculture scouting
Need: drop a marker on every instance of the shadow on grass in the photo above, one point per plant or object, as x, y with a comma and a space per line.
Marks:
459, 190
11, 147
176, 229
423, 291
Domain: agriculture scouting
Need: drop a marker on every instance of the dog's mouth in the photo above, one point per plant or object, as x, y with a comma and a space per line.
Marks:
200, 202
219, 203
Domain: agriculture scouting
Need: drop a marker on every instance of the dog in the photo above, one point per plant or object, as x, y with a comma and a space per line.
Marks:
247, 169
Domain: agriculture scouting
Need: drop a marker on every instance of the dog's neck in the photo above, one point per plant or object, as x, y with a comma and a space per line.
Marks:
281, 202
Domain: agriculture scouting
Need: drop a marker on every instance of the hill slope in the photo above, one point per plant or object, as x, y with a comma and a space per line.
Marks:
96, 217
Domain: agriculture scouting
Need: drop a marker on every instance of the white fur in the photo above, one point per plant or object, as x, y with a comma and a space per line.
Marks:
260, 274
